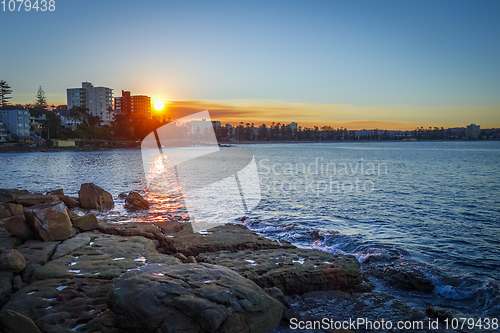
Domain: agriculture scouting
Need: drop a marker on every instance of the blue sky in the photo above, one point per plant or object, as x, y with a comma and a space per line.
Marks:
415, 61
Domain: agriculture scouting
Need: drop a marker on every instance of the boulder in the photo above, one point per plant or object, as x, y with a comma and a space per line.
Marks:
19, 227
14, 322
15, 209
294, 271
105, 257
35, 199
134, 201
62, 305
86, 222
193, 298
12, 261
93, 197
50, 221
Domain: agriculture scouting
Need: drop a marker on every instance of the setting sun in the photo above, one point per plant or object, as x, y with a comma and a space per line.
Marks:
158, 105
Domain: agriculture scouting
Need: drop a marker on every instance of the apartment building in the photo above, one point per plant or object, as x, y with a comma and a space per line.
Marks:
137, 107
16, 122
99, 100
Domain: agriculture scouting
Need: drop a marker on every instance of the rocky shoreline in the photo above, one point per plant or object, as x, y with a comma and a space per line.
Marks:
61, 271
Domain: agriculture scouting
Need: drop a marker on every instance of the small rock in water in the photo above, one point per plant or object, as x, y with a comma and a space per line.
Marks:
93, 197
134, 201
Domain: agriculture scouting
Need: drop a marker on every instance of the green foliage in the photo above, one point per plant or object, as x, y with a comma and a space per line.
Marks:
41, 101
5, 92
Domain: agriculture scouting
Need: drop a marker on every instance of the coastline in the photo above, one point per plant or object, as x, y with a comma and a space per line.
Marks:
102, 145
308, 284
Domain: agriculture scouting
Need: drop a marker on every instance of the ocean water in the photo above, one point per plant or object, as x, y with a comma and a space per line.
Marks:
434, 204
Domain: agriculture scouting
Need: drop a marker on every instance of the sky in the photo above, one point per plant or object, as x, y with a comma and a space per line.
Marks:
355, 64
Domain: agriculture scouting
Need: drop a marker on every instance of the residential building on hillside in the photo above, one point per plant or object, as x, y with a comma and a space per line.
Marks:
99, 100
16, 121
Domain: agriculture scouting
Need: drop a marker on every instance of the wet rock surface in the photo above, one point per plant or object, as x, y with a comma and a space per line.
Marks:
191, 298
62, 305
399, 274
172, 278
294, 271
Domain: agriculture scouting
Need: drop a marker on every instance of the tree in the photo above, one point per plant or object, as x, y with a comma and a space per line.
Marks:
5, 91
41, 101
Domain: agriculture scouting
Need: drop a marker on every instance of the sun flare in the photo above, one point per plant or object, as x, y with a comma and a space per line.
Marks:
158, 105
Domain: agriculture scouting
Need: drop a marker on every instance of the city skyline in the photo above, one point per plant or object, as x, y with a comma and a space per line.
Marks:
379, 64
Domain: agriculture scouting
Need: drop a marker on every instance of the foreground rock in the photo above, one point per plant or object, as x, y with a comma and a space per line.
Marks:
14, 322
62, 305
92, 196
50, 221
134, 201
193, 298
294, 271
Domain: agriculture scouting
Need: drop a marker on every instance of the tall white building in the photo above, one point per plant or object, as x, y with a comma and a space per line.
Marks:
97, 99
16, 121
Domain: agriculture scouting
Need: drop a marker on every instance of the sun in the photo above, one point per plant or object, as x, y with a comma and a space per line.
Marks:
158, 105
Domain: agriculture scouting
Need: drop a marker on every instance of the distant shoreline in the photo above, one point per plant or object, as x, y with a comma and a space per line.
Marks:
112, 145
